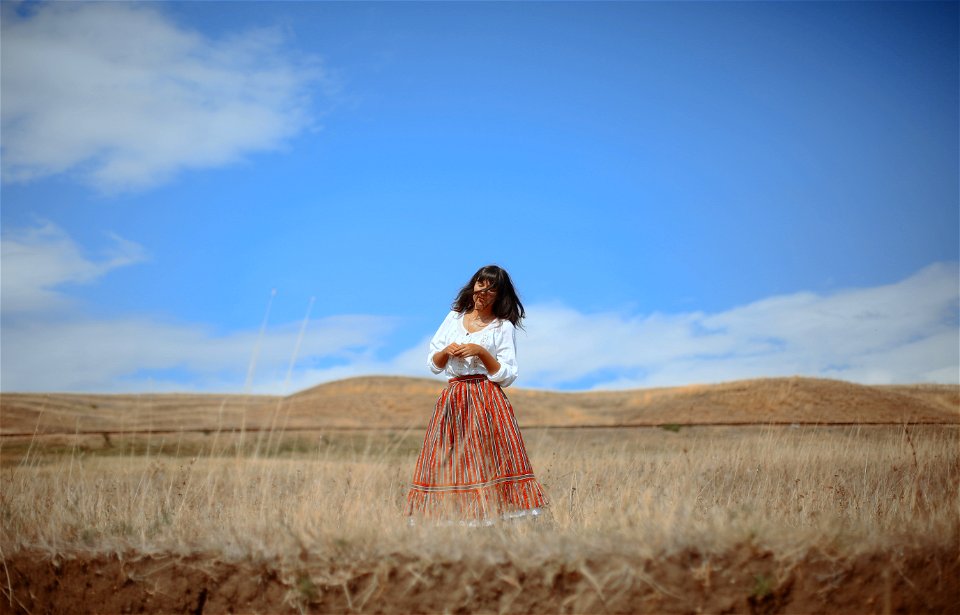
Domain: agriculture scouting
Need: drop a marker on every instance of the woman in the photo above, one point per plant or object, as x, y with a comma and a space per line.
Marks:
473, 466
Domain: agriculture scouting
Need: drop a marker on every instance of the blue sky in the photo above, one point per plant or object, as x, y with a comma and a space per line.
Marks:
682, 192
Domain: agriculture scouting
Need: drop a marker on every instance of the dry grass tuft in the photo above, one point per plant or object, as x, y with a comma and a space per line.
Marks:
721, 508
847, 487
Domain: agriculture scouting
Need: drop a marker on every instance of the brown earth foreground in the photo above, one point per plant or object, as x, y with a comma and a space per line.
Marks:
731, 519
746, 579
400, 403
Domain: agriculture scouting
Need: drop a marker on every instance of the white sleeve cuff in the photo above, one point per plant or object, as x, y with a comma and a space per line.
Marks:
504, 376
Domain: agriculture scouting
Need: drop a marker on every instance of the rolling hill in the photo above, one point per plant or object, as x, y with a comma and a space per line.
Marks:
397, 402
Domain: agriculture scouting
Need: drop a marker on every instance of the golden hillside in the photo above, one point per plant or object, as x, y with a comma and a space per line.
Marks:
372, 402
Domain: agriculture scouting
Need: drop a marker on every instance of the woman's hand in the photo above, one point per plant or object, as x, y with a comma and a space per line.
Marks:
467, 350
440, 358
476, 350
452, 349
463, 351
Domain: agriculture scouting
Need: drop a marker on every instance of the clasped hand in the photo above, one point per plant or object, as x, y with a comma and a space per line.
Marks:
463, 351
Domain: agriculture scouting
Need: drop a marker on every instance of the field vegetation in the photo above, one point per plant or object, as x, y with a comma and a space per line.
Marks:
808, 518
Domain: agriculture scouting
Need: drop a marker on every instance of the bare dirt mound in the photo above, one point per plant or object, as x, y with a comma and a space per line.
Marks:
744, 579
394, 402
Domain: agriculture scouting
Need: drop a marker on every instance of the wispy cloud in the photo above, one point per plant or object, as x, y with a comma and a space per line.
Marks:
141, 354
411, 362
50, 344
36, 261
123, 97
902, 332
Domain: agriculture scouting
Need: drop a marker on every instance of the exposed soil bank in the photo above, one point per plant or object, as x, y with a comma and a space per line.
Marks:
742, 580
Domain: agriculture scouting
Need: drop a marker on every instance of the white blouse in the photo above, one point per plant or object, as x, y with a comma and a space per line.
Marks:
499, 338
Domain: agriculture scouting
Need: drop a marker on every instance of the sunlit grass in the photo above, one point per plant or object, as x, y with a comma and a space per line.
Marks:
644, 489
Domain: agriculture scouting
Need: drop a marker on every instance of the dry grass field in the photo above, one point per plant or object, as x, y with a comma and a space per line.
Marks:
787, 515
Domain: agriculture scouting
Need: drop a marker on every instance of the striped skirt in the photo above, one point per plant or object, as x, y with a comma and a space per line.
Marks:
473, 467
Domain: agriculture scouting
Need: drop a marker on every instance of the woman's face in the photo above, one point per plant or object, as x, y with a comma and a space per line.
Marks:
483, 295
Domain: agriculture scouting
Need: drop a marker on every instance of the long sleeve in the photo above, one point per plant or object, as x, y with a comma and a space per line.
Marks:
439, 342
506, 355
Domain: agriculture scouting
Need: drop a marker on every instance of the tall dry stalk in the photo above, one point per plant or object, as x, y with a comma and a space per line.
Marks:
835, 488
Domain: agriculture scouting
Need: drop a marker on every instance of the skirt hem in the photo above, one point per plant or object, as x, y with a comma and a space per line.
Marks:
533, 513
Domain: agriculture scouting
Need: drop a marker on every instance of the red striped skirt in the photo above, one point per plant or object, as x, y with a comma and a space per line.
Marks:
473, 466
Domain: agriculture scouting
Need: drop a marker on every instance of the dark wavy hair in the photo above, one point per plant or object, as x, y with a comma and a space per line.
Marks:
506, 306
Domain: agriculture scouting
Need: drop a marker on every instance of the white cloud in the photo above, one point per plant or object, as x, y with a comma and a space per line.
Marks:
903, 332
124, 97
130, 354
411, 362
36, 261
48, 344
